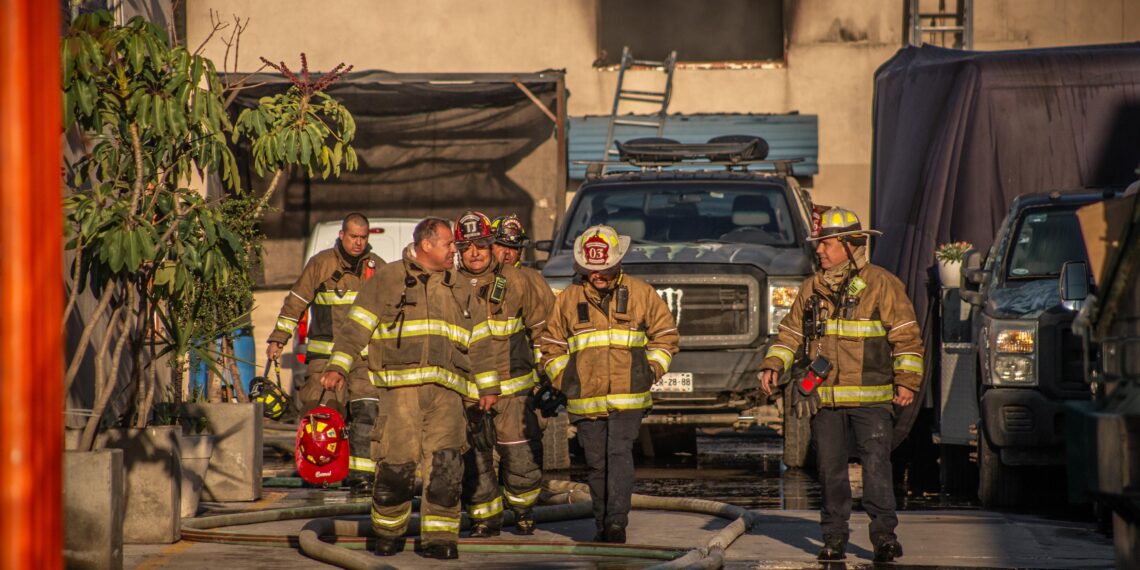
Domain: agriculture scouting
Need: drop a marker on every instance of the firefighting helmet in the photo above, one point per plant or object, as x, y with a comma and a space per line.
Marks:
473, 227
599, 248
322, 446
509, 231
840, 222
273, 400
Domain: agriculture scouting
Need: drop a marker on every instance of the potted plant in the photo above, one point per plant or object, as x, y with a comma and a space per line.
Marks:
950, 256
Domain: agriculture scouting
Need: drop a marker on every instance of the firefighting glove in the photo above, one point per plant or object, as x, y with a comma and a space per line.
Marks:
481, 428
549, 400
805, 406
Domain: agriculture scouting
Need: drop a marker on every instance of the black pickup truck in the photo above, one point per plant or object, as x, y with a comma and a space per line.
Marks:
725, 247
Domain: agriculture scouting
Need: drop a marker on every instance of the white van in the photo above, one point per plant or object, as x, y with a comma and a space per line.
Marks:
387, 236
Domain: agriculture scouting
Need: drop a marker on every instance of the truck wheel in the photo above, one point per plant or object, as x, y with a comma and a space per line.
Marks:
797, 435
556, 444
998, 484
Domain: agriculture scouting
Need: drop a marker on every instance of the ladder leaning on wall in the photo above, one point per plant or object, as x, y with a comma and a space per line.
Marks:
655, 97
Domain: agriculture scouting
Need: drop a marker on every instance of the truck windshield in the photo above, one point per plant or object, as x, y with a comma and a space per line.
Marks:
698, 212
1044, 241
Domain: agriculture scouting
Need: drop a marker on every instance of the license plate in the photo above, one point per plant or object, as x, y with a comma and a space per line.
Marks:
674, 382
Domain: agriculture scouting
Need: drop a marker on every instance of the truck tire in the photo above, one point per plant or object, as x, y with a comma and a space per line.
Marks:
556, 443
999, 485
797, 434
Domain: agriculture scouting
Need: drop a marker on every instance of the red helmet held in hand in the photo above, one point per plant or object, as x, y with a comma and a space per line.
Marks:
322, 446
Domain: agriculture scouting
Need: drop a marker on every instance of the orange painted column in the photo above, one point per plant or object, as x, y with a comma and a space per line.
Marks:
31, 286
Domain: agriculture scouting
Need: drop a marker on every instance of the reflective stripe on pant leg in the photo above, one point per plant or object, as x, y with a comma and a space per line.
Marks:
392, 498
444, 429
519, 443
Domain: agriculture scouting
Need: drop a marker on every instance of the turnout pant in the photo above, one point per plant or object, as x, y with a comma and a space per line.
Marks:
518, 439
359, 405
873, 430
608, 443
424, 426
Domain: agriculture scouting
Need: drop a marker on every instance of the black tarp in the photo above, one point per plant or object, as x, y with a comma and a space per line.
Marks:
427, 145
959, 134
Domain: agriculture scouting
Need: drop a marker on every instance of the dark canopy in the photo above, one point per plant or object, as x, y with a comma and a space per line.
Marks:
959, 134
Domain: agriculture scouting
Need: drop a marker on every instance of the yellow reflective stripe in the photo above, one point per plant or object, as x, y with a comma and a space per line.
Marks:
909, 363
439, 524
392, 523
782, 352
331, 298
423, 327
361, 464
857, 329
363, 317
427, 375
486, 510
481, 331
537, 354
286, 324
526, 499
505, 328
487, 379
610, 337
661, 357
341, 359
600, 404
556, 365
319, 347
518, 383
856, 394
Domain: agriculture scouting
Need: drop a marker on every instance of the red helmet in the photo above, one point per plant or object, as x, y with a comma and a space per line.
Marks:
322, 446
473, 227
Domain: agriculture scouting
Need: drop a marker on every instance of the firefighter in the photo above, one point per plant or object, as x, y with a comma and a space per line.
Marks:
516, 312
608, 339
428, 349
329, 284
853, 326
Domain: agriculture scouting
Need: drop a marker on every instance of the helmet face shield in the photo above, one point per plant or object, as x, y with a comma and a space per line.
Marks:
509, 231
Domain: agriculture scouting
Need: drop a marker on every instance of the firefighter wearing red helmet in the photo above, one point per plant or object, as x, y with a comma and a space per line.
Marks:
424, 328
328, 285
516, 313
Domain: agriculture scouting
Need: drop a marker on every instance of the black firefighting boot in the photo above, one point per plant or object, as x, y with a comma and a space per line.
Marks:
614, 534
482, 529
441, 551
887, 547
834, 547
524, 523
386, 546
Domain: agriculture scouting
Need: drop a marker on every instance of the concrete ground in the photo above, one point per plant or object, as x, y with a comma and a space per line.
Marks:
785, 539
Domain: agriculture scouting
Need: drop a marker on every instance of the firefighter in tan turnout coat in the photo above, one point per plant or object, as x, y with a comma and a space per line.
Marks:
609, 338
428, 349
853, 325
329, 284
517, 312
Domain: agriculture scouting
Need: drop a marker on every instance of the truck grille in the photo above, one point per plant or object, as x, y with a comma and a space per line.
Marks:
1072, 361
711, 310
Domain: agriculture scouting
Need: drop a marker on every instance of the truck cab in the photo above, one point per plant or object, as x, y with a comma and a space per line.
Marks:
724, 245
1029, 362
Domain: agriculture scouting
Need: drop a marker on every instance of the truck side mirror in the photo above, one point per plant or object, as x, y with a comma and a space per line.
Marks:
544, 245
1074, 281
972, 272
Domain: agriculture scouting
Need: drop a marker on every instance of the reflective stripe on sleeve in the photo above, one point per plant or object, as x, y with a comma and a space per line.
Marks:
661, 357
519, 384
486, 380
556, 365
363, 317
909, 363
331, 298
342, 360
785, 354
286, 325
319, 347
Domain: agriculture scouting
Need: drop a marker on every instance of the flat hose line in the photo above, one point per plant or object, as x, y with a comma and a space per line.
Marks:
564, 500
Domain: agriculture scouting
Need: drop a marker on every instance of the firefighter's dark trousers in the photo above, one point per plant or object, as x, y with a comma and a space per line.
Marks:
424, 426
873, 431
358, 404
608, 443
518, 440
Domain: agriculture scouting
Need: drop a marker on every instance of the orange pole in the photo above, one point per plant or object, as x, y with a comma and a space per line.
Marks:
31, 286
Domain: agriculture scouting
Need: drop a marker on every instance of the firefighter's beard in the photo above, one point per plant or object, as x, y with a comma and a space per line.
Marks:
835, 276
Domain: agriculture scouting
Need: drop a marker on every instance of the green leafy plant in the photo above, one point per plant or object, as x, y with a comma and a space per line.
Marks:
953, 251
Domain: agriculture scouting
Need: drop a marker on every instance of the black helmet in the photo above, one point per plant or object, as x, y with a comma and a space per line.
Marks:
274, 402
509, 231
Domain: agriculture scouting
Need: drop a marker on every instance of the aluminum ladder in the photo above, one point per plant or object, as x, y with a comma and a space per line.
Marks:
946, 27
623, 94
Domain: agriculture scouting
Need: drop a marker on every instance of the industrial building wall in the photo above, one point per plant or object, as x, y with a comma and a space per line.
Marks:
833, 48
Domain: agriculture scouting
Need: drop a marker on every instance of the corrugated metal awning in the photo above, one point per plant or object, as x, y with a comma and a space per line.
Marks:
788, 136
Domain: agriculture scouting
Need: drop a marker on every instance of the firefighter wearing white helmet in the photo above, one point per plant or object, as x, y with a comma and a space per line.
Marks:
853, 346
608, 339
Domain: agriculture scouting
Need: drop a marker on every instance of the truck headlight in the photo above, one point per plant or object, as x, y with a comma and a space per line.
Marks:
1013, 354
781, 294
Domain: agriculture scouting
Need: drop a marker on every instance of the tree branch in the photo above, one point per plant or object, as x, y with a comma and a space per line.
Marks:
88, 330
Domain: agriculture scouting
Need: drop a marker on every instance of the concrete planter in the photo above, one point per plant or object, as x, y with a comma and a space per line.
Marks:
234, 473
93, 500
153, 473
196, 452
